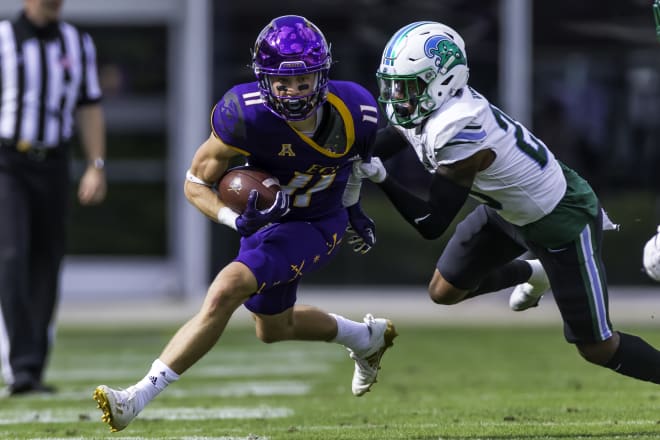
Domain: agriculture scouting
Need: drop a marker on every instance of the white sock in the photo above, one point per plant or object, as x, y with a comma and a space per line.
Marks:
351, 334
156, 380
538, 273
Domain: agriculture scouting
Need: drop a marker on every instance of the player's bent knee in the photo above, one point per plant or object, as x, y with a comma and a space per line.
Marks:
445, 297
217, 302
441, 292
270, 334
435, 295
444, 294
440, 295
268, 338
273, 328
230, 288
223, 301
598, 353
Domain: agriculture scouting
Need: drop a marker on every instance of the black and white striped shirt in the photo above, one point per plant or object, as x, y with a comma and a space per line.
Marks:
45, 73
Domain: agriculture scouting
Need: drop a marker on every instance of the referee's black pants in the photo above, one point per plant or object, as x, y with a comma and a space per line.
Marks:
33, 218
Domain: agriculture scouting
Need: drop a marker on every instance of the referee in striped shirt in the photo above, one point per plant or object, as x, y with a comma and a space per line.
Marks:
48, 76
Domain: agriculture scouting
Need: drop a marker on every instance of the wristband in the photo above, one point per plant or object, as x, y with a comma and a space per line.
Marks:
98, 163
194, 179
352, 191
227, 217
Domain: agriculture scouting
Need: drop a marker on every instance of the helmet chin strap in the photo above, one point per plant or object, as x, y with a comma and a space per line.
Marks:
426, 105
297, 109
294, 105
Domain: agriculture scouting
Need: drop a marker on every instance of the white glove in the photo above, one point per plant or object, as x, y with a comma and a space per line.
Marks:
374, 170
651, 257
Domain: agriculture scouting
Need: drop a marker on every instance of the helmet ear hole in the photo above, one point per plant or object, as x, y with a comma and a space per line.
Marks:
448, 80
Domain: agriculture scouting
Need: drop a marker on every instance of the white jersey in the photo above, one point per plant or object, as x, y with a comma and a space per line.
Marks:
524, 183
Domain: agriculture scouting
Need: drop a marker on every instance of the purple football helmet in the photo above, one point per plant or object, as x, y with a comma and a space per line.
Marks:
291, 45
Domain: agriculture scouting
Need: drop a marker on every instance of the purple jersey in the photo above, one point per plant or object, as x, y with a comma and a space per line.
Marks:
313, 171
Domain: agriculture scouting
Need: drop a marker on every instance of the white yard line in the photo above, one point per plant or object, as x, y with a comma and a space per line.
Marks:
11, 416
408, 304
162, 438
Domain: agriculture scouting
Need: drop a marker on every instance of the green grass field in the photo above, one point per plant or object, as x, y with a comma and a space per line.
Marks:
436, 383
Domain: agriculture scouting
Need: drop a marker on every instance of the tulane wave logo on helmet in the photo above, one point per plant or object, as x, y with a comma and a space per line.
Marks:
445, 52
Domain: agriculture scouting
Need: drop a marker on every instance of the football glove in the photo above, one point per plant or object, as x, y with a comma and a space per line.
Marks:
374, 170
651, 256
254, 219
363, 227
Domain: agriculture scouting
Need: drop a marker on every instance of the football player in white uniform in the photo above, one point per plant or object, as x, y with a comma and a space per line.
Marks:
529, 201
651, 253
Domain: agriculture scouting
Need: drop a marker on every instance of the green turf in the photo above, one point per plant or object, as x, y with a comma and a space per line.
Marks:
436, 383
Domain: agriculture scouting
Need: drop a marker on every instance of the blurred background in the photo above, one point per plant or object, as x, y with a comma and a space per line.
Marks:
583, 75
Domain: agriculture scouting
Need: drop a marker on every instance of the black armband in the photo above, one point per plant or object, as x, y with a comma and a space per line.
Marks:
388, 143
432, 217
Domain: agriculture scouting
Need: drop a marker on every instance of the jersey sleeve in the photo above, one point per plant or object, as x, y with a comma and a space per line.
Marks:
458, 133
90, 89
366, 149
366, 119
227, 123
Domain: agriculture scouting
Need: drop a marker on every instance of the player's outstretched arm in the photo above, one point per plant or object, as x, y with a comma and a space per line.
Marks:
431, 217
388, 143
449, 189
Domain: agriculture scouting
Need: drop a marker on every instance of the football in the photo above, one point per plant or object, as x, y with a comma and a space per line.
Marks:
236, 183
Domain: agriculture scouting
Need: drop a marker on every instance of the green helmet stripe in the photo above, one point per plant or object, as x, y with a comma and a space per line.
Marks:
392, 46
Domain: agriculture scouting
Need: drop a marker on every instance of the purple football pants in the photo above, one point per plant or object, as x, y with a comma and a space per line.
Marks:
280, 254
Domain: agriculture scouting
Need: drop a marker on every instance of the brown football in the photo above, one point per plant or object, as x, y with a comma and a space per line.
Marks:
235, 185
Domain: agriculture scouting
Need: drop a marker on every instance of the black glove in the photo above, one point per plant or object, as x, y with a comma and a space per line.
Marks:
253, 219
363, 227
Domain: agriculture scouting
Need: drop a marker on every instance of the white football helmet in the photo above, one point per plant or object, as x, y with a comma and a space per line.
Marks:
651, 257
423, 65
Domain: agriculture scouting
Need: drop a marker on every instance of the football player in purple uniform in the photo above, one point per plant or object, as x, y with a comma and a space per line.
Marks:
306, 130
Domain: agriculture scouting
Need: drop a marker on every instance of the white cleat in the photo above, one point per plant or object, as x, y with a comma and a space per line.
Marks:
118, 406
527, 295
367, 363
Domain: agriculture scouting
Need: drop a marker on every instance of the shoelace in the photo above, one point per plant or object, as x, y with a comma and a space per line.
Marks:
370, 362
124, 399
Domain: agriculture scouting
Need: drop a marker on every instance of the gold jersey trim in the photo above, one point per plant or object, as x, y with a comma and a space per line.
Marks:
349, 129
